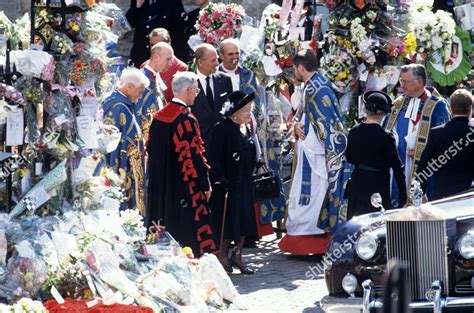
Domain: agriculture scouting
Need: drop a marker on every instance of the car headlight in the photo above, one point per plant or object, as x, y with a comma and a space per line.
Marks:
466, 245
349, 284
366, 246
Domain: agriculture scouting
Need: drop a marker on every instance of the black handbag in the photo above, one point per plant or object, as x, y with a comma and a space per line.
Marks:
266, 185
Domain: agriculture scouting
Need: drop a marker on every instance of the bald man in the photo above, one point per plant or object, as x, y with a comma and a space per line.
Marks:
152, 99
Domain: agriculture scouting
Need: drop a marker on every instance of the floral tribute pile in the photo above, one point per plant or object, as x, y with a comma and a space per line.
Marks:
64, 246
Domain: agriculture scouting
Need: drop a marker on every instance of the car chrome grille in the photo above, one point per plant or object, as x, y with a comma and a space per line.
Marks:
464, 288
422, 246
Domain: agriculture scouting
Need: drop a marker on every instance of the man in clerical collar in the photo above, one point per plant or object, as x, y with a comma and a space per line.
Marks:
243, 79
152, 98
179, 188
162, 35
414, 114
128, 159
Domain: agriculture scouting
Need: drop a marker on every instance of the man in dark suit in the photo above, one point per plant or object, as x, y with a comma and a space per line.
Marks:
146, 15
449, 153
214, 87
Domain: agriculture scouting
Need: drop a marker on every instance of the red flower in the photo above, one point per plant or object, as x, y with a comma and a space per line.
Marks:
107, 182
79, 65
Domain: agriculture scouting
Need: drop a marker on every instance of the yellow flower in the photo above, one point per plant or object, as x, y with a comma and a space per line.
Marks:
342, 75
43, 13
410, 44
187, 251
29, 276
75, 27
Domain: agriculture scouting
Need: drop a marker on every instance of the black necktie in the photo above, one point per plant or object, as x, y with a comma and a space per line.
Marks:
209, 95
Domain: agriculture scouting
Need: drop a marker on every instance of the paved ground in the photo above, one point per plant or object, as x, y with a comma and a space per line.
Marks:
279, 283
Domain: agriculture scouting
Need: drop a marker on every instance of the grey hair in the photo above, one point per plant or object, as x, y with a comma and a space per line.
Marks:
183, 80
417, 70
134, 76
227, 41
372, 113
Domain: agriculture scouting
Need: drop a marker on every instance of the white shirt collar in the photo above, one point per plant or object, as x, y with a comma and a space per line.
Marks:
231, 72
179, 101
201, 76
148, 67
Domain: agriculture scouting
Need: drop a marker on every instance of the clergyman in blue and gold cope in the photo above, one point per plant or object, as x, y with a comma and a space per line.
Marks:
128, 158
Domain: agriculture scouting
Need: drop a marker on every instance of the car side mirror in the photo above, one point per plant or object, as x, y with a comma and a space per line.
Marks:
376, 201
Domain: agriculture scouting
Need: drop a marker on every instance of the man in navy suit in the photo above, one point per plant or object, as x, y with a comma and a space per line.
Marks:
214, 87
449, 154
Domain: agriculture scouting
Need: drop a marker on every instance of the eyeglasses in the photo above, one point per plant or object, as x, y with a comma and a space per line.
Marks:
404, 82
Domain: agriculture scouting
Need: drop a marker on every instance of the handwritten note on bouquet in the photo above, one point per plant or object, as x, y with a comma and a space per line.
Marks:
87, 128
89, 103
15, 127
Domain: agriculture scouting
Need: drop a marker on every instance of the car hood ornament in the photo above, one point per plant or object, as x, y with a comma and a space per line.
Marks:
419, 211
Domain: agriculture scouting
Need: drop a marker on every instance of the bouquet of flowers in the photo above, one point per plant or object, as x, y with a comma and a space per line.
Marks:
61, 44
132, 222
368, 34
270, 21
90, 194
50, 182
219, 21
339, 67
87, 66
74, 24
26, 305
16, 32
433, 31
115, 17
70, 281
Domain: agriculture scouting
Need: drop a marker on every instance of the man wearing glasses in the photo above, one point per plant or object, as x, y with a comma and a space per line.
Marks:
179, 188
413, 115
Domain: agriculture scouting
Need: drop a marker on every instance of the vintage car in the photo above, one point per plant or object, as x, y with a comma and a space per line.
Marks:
434, 240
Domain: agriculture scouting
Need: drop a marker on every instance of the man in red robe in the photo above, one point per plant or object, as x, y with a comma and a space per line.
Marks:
179, 186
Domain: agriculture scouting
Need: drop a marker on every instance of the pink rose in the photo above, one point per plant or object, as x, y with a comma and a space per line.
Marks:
209, 38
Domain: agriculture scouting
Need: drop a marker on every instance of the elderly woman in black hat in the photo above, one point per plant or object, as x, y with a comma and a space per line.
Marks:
232, 160
373, 152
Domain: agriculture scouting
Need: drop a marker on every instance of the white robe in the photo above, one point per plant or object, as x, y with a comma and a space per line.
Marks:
303, 219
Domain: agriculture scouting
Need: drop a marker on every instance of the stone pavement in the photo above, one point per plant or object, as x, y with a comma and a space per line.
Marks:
279, 283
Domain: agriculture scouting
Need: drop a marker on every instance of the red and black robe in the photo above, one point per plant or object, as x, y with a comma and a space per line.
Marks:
179, 179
